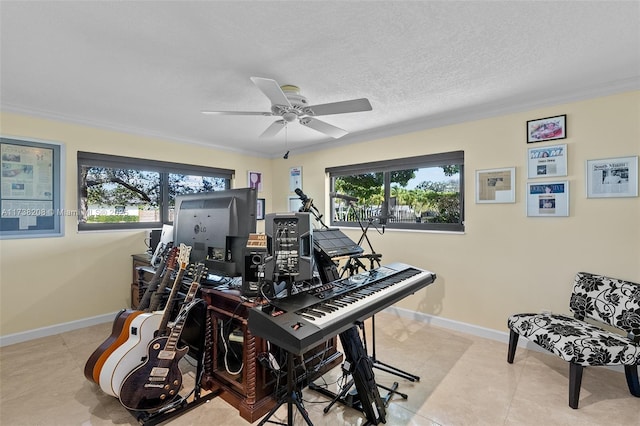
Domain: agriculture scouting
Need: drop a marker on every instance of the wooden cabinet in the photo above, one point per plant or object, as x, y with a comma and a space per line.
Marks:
231, 362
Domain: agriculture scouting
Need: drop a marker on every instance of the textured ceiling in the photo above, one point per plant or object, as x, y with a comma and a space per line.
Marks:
150, 67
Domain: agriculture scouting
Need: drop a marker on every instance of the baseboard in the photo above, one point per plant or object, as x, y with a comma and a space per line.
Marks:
475, 330
37, 333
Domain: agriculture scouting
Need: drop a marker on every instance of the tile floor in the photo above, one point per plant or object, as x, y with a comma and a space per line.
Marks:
464, 380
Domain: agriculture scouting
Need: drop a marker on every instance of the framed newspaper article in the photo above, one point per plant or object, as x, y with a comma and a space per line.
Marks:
295, 178
612, 177
548, 199
549, 161
496, 185
31, 194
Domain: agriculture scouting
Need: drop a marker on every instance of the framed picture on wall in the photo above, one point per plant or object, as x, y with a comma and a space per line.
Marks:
260, 209
294, 204
255, 180
32, 195
548, 199
547, 129
295, 178
496, 185
612, 177
549, 161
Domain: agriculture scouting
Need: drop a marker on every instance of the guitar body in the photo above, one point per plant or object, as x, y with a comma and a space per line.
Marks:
131, 353
119, 335
157, 381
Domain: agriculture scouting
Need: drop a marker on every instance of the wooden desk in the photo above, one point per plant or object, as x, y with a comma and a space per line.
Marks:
251, 390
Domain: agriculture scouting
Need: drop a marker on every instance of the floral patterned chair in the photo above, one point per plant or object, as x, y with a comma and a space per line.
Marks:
603, 300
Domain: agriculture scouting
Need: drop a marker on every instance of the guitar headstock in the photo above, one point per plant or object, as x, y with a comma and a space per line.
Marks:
171, 258
166, 249
183, 258
199, 272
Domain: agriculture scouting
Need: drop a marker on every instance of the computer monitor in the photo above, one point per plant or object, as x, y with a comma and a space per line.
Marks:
217, 226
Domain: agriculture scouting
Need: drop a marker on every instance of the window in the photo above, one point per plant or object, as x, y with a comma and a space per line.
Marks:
122, 193
424, 192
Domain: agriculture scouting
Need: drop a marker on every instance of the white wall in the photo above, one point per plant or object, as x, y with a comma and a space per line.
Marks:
505, 262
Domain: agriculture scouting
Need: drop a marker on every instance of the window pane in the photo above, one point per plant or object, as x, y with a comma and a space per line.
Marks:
368, 188
110, 195
425, 195
180, 184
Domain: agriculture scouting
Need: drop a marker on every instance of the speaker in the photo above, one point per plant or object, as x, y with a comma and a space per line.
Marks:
289, 247
154, 239
252, 271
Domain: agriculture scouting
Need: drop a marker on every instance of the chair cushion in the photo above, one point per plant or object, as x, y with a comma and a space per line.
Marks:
574, 340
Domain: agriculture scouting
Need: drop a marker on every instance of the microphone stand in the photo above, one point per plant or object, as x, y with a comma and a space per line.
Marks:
308, 207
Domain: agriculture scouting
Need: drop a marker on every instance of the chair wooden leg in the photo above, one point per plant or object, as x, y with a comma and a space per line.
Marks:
513, 344
631, 372
575, 381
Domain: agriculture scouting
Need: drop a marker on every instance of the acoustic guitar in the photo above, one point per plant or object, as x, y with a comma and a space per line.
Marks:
142, 330
121, 327
158, 380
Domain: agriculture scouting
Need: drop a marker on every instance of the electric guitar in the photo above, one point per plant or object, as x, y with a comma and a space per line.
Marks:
159, 379
142, 330
152, 287
121, 329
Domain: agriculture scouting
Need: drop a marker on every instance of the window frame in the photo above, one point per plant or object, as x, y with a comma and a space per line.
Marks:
388, 166
164, 168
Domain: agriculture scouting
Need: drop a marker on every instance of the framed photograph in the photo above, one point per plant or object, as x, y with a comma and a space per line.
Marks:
255, 180
612, 177
260, 209
550, 161
295, 178
294, 204
547, 129
496, 185
548, 199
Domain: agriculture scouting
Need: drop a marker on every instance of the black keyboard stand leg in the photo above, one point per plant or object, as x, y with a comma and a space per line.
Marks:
381, 365
290, 398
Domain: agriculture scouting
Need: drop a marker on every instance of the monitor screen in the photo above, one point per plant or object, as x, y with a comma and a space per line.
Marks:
217, 226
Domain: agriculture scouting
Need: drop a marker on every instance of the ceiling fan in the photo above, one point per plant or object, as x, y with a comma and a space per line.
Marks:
288, 103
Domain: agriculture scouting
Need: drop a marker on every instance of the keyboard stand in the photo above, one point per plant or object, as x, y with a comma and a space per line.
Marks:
353, 401
290, 398
381, 365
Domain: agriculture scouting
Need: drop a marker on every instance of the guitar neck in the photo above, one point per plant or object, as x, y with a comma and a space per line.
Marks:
172, 295
156, 299
152, 287
176, 329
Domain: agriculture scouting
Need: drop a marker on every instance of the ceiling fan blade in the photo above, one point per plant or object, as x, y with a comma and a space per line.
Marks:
322, 127
274, 129
354, 105
268, 114
272, 90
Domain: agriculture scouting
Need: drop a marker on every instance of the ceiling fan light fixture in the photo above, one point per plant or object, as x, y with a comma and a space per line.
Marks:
289, 116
